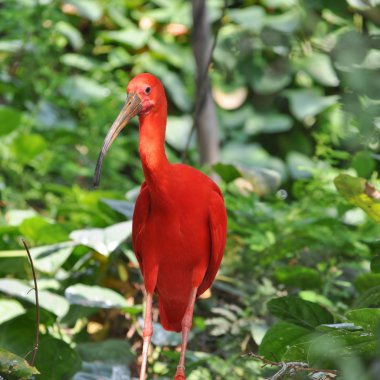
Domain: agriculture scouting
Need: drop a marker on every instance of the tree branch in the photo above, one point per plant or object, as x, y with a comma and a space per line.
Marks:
291, 368
33, 352
204, 114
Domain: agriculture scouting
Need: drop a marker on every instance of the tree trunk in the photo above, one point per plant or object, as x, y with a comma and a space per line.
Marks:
205, 112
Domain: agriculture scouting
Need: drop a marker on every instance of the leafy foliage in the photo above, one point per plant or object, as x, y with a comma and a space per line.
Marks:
297, 102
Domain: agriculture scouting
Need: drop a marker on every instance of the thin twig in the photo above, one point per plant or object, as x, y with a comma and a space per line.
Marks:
203, 83
291, 368
37, 336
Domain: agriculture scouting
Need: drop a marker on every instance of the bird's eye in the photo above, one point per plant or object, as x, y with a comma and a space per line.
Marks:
148, 90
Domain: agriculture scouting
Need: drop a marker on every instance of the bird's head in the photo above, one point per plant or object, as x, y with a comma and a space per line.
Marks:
145, 94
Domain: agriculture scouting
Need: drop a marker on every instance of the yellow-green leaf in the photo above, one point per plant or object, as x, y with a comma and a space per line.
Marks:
359, 192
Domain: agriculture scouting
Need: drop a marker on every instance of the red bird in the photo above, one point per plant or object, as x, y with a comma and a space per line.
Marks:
179, 222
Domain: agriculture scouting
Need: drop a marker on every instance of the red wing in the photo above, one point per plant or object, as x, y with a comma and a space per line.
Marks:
218, 232
140, 215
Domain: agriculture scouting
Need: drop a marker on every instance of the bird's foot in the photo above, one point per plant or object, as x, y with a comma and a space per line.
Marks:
180, 374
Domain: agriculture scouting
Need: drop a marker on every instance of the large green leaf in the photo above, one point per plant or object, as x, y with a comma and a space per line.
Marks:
78, 88
371, 297
298, 276
13, 367
227, 172
108, 351
49, 258
366, 281
55, 359
26, 147
250, 18
280, 337
359, 193
48, 300
10, 309
94, 296
103, 240
10, 119
367, 318
89, 9
330, 349
309, 102
300, 312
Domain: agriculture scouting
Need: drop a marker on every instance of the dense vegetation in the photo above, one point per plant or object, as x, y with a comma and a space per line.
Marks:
298, 93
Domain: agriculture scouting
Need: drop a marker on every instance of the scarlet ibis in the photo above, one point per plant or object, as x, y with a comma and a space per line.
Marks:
179, 221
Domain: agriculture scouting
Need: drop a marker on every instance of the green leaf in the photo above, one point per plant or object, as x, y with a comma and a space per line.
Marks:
108, 351
55, 359
300, 312
363, 163
26, 147
94, 296
268, 123
319, 66
10, 120
10, 309
49, 258
298, 276
227, 172
287, 22
103, 240
134, 37
270, 81
368, 319
78, 88
357, 192
245, 16
123, 207
280, 337
371, 297
178, 130
375, 264
300, 165
366, 281
308, 102
297, 352
329, 349
14, 367
78, 61
48, 300
89, 9
71, 33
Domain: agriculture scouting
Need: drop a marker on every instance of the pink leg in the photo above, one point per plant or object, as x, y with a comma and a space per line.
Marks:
186, 326
147, 333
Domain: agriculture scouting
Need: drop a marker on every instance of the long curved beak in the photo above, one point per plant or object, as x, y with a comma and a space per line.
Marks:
130, 109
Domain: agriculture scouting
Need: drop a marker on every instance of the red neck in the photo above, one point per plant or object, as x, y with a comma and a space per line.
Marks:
152, 146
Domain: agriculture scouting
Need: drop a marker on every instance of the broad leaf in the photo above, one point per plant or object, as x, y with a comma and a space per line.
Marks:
366, 281
371, 297
279, 337
300, 312
10, 309
48, 300
10, 119
94, 296
359, 193
13, 366
108, 351
298, 276
49, 258
103, 240
369, 319
227, 172
328, 350
308, 102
